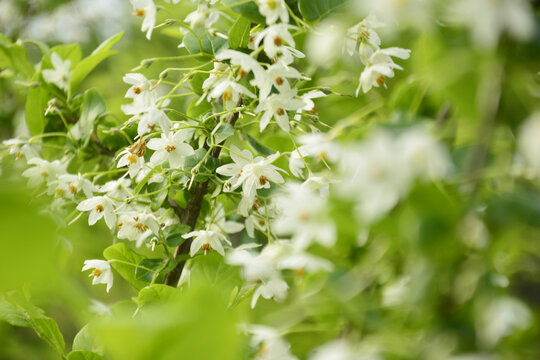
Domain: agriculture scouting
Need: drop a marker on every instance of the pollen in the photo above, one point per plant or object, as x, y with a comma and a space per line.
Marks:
261, 222
73, 189
99, 208
120, 224
96, 272
381, 80
151, 127
138, 148
206, 247
313, 110
263, 180
299, 272
141, 227
279, 80
137, 90
45, 174
227, 95
19, 155
170, 148
240, 173
132, 159
278, 41
271, 4
280, 111
140, 12
242, 73
256, 205
59, 192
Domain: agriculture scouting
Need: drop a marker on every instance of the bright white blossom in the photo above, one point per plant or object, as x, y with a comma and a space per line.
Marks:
278, 43
43, 171
102, 272
171, 147
146, 9
207, 240
139, 84
137, 227
99, 207
274, 10
276, 106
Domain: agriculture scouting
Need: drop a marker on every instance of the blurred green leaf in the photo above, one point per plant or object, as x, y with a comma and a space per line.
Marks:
224, 131
71, 52
156, 293
13, 56
315, 9
84, 355
36, 104
173, 234
126, 264
200, 41
250, 10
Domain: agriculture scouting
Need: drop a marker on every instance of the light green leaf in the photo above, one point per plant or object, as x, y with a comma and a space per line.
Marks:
71, 52
212, 269
315, 9
13, 56
156, 293
84, 355
84, 340
36, 104
127, 264
239, 33
93, 106
224, 131
89, 63
16, 309
199, 41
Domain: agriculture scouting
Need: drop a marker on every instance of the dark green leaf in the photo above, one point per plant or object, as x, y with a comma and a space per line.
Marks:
239, 33
152, 264
173, 234
315, 9
223, 132
249, 10
199, 41
258, 146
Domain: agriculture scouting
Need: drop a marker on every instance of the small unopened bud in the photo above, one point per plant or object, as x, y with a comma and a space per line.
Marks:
139, 147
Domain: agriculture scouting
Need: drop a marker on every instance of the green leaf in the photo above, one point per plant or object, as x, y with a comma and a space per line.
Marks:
191, 161
127, 264
239, 33
315, 9
36, 104
153, 264
258, 146
156, 293
84, 355
212, 269
249, 10
13, 56
93, 106
173, 234
197, 111
71, 52
89, 63
84, 340
196, 83
16, 309
223, 132
181, 197
199, 41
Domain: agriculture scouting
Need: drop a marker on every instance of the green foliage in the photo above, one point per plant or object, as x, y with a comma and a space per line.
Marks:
201, 42
92, 107
315, 9
239, 33
36, 103
250, 10
13, 56
125, 261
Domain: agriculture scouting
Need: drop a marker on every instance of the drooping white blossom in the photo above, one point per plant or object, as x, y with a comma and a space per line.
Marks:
206, 240
146, 9
99, 207
101, 274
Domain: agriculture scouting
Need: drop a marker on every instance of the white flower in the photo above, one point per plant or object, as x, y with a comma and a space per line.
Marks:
137, 227
207, 240
220, 224
99, 206
274, 10
69, 185
203, 17
216, 75
276, 37
172, 147
528, 144
514, 16
324, 44
117, 189
309, 105
363, 38
43, 170
256, 267
131, 160
276, 106
21, 148
139, 84
251, 174
146, 8
270, 344
318, 146
304, 217
60, 75
379, 66
277, 75
272, 289
343, 350
102, 272
247, 64
230, 92
145, 109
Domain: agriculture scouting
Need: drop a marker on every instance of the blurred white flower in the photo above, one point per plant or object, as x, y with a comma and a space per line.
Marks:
219, 222
43, 171
269, 344
497, 16
203, 17
230, 92
273, 10
528, 144
324, 44
117, 189
137, 227
343, 350
362, 37
380, 66
272, 289
276, 106
102, 272
61, 74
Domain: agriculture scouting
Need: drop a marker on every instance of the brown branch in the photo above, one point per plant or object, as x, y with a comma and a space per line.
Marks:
190, 214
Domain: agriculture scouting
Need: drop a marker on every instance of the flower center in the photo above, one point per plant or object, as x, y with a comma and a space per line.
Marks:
73, 189
141, 227
45, 174
280, 111
19, 155
96, 272
313, 111
272, 4
137, 90
59, 192
170, 148
206, 247
227, 95
138, 148
261, 222
278, 41
256, 205
381, 80
140, 12
242, 73
263, 180
99, 208
279, 80
132, 159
